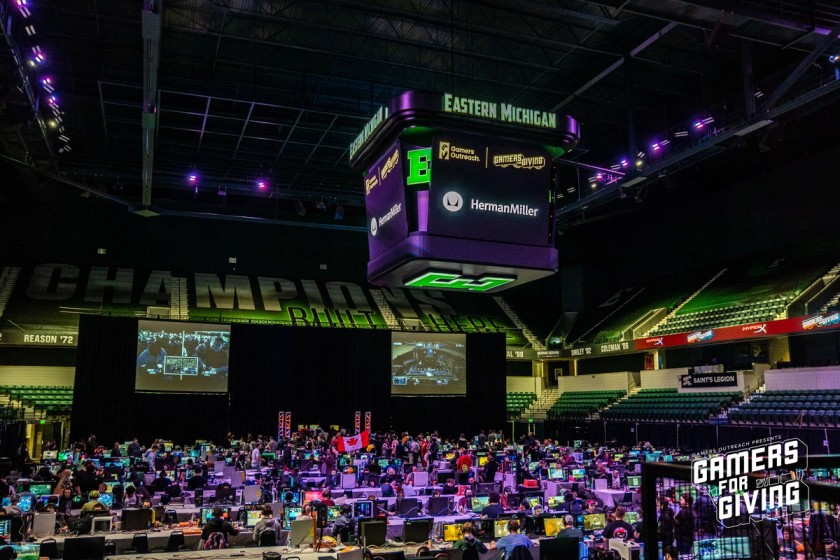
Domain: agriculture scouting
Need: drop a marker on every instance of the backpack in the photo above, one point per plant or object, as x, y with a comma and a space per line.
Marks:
215, 540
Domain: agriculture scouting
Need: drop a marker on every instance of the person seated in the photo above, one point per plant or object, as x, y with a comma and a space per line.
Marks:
306, 512
93, 500
84, 524
449, 487
592, 507
345, 525
471, 546
218, 525
465, 503
512, 540
618, 529
493, 508
569, 531
161, 482
266, 523
132, 498
197, 481
326, 497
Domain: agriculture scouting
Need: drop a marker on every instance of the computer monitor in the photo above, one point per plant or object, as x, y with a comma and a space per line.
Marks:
634, 481
269, 456
408, 507
290, 515
417, 530
453, 532
110, 485
206, 514
25, 503
6, 528
84, 548
533, 501
373, 532
478, 503
556, 474
724, 548
136, 519
482, 460
552, 526
252, 517
49, 455
64, 455
578, 474
631, 517
438, 505
533, 465
333, 513
363, 508
107, 500
40, 489
101, 524
311, 496
594, 521
500, 528
556, 502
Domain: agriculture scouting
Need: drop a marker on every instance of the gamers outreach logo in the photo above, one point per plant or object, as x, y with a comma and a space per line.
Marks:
741, 495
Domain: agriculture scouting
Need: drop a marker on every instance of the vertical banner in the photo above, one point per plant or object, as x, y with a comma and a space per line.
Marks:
288, 425
357, 423
367, 421
281, 425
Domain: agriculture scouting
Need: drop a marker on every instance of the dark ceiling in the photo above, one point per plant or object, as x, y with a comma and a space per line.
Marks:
241, 90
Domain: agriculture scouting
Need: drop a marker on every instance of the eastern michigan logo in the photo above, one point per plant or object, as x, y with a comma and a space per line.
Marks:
452, 201
373, 228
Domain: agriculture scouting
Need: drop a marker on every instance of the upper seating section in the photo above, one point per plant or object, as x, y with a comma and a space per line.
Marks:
517, 402
53, 399
744, 294
806, 407
574, 405
666, 405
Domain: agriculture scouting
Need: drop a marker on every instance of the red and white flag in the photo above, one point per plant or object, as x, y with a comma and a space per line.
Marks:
352, 443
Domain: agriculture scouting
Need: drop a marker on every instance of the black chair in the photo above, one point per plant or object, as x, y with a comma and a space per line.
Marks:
176, 541
520, 553
110, 548
627, 500
140, 543
565, 548
268, 538
49, 549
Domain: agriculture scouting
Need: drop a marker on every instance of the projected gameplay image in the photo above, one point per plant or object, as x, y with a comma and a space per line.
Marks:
182, 357
428, 364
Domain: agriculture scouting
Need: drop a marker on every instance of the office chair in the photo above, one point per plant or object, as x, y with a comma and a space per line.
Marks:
176, 541
49, 549
268, 538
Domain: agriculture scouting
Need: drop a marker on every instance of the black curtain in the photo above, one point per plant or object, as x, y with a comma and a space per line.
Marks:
321, 375
104, 401
324, 375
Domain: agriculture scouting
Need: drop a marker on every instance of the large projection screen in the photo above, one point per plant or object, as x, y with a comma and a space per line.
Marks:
428, 364
182, 357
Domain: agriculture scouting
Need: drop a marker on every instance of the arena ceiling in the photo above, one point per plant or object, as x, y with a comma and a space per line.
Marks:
239, 91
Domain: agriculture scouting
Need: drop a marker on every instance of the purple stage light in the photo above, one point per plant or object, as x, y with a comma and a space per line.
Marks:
192, 178
624, 163
262, 184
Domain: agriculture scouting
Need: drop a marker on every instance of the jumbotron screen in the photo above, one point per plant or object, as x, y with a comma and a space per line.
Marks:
182, 357
424, 364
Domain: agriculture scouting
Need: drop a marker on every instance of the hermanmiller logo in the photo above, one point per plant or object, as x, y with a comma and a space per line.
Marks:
373, 227
453, 201
517, 209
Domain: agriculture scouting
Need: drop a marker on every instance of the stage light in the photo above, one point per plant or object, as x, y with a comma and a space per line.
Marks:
321, 205
834, 58
52, 101
655, 147
30, 30
52, 123
339, 212
38, 56
22, 8
47, 84
64, 138
624, 163
262, 184
192, 178
639, 163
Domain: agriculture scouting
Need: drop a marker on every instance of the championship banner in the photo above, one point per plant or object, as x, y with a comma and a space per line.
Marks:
281, 425
357, 423
703, 380
367, 421
288, 425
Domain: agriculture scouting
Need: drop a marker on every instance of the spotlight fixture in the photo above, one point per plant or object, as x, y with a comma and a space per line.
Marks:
624, 163
321, 205
339, 212
262, 184
834, 58
192, 178
47, 84
38, 57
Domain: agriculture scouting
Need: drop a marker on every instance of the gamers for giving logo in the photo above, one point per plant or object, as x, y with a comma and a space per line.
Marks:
753, 480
